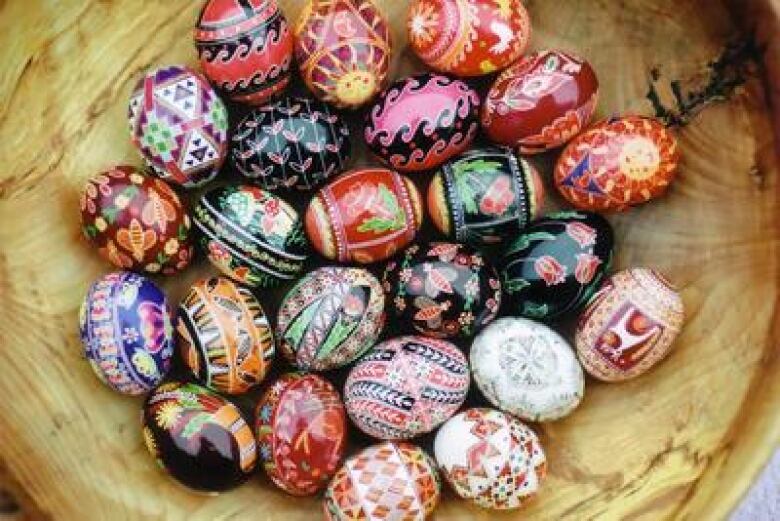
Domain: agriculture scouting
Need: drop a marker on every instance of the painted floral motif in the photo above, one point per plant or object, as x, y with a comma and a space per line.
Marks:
541, 101
301, 429
555, 266
444, 290
618, 163
251, 235
485, 196
330, 318
364, 216
136, 222
126, 332
629, 326
343, 50
180, 419
443, 34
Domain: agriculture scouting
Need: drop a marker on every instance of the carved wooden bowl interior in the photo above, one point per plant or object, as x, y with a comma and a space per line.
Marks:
683, 441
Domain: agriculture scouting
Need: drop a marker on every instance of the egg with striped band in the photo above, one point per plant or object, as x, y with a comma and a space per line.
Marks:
225, 339
485, 196
330, 318
251, 235
406, 386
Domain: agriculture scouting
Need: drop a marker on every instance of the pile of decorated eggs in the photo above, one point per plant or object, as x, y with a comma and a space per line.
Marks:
477, 304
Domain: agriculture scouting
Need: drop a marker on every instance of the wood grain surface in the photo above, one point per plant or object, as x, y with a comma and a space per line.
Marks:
682, 442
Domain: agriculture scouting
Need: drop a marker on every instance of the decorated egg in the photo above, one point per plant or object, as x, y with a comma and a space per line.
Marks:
443, 289
629, 326
420, 122
136, 222
225, 339
301, 432
294, 143
485, 196
245, 48
343, 50
251, 235
468, 37
490, 458
179, 125
526, 369
364, 216
618, 163
330, 318
541, 102
554, 267
126, 331
198, 437
392, 481
406, 386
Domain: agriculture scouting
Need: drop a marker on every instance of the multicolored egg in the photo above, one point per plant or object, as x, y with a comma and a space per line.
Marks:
136, 222
365, 215
554, 267
526, 369
295, 143
392, 481
443, 289
179, 125
225, 339
198, 437
251, 235
490, 458
343, 48
126, 331
485, 196
330, 318
468, 37
420, 122
406, 386
629, 326
541, 102
245, 48
301, 431
618, 163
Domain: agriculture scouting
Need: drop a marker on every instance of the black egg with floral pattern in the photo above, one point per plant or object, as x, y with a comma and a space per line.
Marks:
443, 290
556, 265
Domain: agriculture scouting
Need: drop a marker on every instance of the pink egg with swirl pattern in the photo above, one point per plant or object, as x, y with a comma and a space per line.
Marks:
420, 122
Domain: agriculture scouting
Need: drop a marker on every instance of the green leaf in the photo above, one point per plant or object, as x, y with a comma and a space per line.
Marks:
299, 325
534, 310
525, 239
195, 424
162, 258
515, 285
340, 331
182, 232
90, 230
566, 214
377, 225
110, 214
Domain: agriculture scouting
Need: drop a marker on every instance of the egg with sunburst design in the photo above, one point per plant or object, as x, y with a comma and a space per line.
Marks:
343, 50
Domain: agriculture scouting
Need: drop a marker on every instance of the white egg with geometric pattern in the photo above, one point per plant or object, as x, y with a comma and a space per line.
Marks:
490, 458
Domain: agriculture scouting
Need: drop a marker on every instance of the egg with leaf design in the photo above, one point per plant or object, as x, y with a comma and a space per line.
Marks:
554, 267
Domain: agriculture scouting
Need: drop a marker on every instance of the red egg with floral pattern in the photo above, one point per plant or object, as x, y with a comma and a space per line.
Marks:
442, 289
541, 102
468, 37
137, 222
301, 430
245, 48
420, 122
343, 48
364, 216
618, 163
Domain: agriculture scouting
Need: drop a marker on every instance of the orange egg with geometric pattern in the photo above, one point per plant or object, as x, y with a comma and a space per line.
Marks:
618, 163
136, 221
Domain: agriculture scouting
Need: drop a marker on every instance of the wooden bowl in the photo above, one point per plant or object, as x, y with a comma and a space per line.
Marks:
683, 441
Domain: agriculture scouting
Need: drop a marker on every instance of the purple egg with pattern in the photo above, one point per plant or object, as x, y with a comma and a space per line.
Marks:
126, 330
420, 122
406, 386
179, 125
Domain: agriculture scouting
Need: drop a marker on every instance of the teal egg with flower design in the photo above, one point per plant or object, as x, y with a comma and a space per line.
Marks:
443, 290
251, 235
556, 265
